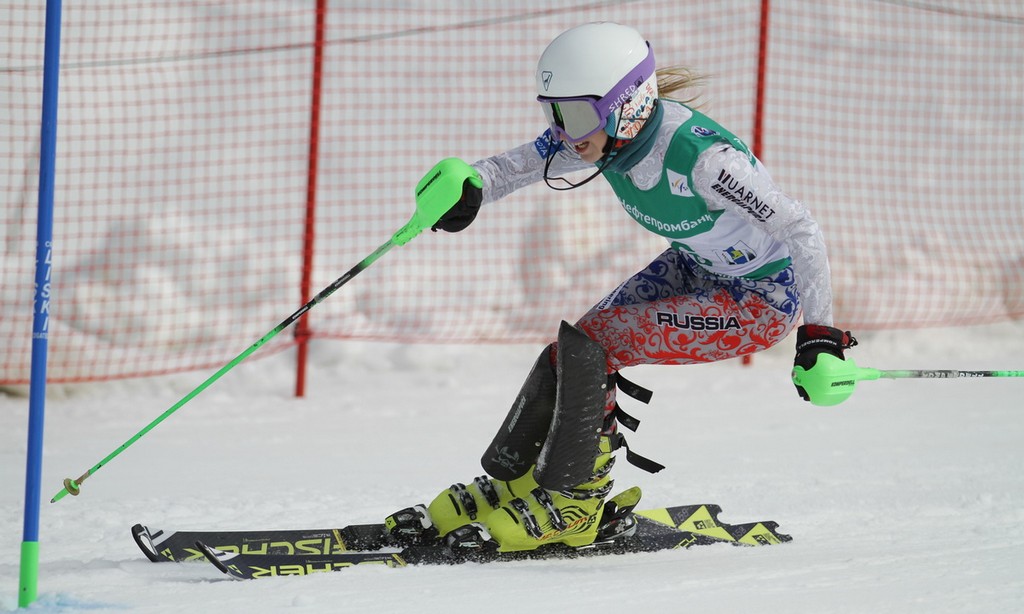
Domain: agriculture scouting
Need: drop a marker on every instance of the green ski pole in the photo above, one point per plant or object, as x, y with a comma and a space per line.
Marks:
832, 380
433, 199
869, 374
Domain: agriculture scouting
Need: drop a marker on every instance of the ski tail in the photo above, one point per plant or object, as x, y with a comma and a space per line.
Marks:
702, 520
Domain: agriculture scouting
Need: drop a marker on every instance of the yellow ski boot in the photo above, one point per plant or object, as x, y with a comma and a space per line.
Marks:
541, 517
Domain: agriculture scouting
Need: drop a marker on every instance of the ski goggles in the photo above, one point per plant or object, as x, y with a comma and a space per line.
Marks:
577, 118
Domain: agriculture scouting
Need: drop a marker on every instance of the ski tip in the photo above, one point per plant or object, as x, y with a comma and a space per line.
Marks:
142, 537
211, 555
217, 557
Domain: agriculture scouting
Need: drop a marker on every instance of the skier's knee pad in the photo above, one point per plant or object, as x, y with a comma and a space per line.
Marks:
573, 441
518, 442
556, 419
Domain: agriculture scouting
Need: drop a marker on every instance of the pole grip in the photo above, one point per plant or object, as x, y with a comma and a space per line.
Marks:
436, 194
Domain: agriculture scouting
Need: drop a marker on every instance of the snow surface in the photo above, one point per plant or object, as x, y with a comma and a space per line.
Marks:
907, 498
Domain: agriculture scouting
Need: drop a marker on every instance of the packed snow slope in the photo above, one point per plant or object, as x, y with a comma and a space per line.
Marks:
909, 497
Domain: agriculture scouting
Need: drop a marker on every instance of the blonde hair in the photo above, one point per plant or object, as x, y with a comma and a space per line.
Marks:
674, 79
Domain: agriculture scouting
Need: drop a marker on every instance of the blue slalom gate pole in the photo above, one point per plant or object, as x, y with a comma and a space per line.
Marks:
29, 575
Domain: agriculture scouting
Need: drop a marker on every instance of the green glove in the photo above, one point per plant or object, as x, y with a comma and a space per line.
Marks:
454, 190
437, 194
821, 372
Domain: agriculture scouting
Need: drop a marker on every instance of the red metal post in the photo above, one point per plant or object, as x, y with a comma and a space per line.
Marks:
762, 64
302, 331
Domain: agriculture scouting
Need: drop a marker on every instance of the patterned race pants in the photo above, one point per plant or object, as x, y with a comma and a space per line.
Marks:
675, 312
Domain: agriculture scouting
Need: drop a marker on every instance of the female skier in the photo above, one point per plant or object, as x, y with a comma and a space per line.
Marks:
744, 261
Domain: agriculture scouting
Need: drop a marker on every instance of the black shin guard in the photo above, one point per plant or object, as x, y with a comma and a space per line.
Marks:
572, 445
519, 440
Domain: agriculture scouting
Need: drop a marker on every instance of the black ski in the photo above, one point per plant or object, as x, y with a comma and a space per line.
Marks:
256, 554
161, 545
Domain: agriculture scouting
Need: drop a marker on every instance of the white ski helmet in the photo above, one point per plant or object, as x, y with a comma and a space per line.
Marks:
597, 76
